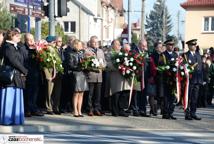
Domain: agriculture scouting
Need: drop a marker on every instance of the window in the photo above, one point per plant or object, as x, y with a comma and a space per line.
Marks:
208, 24
212, 24
66, 26
70, 26
73, 27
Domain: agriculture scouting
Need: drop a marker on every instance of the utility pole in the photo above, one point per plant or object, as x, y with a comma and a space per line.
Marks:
28, 20
164, 21
51, 18
142, 19
129, 21
38, 26
178, 32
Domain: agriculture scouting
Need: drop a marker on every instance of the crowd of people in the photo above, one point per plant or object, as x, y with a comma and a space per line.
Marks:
35, 92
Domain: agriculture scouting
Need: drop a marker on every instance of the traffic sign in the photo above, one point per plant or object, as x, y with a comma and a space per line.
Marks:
18, 9
24, 11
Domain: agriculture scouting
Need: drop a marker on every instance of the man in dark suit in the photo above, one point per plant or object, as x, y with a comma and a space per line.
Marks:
33, 77
139, 99
169, 58
193, 58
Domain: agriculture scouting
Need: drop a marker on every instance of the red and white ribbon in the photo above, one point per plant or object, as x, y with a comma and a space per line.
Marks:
186, 90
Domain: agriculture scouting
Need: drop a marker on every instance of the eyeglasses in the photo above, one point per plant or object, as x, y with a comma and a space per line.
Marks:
170, 44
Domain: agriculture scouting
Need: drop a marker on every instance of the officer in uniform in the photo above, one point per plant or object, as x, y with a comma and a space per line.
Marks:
169, 56
193, 58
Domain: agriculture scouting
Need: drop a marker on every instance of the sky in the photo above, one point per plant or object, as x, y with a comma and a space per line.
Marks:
173, 8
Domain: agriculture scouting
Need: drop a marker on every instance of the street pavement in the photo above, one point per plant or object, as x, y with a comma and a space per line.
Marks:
66, 129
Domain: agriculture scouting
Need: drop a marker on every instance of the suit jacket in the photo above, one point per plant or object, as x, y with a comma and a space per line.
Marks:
168, 79
14, 57
94, 77
197, 75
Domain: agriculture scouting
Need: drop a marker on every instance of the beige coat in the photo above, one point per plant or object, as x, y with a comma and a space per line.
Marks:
117, 81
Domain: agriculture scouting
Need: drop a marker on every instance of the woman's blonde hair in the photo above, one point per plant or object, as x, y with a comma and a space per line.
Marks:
75, 44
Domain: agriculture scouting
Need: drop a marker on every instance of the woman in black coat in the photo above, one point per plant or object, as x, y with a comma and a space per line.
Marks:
73, 56
11, 95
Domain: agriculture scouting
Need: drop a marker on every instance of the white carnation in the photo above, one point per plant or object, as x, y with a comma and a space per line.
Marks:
167, 67
123, 73
134, 67
174, 69
190, 61
48, 60
118, 60
181, 67
120, 53
172, 59
131, 64
126, 63
126, 54
125, 58
128, 71
182, 73
131, 59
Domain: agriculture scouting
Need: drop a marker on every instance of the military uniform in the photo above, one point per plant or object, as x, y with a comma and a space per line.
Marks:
193, 58
169, 82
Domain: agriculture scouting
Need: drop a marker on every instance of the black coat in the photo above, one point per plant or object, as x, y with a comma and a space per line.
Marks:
14, 57
197, 75
72, 59
169, 80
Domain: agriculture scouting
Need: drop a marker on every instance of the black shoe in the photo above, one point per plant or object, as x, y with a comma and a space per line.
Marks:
62, 111
28, 114
195, 117
57, 112
81, 115
124, 114
143, 114
172, 117
153, 113
50, 113
37, 114
128, 111
188, 118
136, 113
165, 117
97, 113
115, 115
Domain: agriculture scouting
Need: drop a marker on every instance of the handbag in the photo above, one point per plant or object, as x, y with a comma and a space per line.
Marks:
6, 73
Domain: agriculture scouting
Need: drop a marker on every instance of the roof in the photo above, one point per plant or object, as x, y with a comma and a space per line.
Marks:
118, 5
198, 3
83, 7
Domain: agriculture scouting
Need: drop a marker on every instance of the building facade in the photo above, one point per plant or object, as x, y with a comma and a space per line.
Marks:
103, 18
199, 21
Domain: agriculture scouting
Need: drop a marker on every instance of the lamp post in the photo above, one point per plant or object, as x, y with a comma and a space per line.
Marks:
143, 19
28, 21
129, 21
